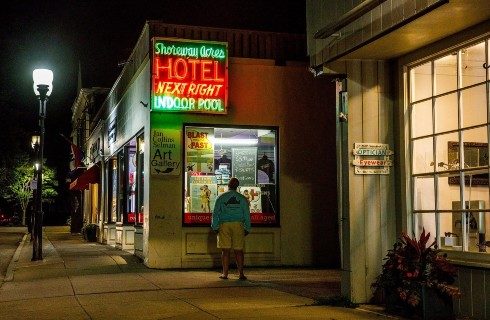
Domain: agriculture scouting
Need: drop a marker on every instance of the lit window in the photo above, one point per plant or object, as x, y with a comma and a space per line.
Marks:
215, 154
448, 108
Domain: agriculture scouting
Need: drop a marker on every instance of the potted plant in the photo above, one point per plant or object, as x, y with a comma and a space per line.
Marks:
89, 232
415, 276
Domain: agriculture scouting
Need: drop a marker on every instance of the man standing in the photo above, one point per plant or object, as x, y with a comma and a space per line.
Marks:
231, 221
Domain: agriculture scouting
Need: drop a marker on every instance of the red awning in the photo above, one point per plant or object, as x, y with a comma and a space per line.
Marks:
91, 175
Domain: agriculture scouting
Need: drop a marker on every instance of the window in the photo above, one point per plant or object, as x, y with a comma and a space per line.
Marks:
140, 177
112, 183
448, 128
215, 154
131, 205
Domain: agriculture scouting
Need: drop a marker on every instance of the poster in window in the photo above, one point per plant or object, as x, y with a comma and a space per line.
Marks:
254, 198
267, 215
200, 150
245, 165
203, 193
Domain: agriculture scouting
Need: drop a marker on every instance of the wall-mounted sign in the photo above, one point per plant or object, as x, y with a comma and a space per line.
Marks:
165, 154
111, 132
189, 76
372, 158
95, 150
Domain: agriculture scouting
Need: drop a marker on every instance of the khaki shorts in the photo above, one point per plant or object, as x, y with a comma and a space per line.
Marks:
231, 236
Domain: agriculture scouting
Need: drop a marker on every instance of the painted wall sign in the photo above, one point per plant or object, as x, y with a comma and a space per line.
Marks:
189, 76
165, 152
372, 158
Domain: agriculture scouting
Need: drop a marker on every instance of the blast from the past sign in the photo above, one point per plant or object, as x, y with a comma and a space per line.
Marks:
189, 76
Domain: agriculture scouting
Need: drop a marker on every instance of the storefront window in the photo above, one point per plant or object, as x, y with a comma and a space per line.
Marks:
113, 186
121, 186
140, 175
449, 108
131, 184
215, 154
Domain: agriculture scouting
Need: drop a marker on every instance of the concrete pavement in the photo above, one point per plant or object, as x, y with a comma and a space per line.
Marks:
80, 280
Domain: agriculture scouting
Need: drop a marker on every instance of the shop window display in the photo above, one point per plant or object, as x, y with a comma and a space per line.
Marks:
449, 148
131, 185
140, 178
215, 154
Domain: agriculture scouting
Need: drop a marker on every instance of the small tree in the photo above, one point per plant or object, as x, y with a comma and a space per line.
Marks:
17, 187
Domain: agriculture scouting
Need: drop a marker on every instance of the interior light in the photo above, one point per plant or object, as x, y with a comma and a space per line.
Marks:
233, 141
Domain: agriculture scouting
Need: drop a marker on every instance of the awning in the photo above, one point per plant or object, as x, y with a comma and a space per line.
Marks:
91, 175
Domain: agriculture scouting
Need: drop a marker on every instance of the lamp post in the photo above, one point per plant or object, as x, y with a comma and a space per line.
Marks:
43, 85
33, 186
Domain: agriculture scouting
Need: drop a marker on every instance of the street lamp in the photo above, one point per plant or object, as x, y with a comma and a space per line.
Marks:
43, 85
35, 140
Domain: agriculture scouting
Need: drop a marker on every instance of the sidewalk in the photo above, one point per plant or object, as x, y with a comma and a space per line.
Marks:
80, 280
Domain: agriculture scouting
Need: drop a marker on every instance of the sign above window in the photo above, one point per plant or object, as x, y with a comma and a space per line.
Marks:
189, 76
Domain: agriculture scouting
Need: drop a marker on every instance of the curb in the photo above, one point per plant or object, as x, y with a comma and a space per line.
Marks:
10, 269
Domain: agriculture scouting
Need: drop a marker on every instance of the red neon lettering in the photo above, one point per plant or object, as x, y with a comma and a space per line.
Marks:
205, 70
194, 64
159, 68
183, 63
216, 76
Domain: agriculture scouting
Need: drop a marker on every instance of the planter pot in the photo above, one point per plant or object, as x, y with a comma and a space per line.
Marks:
433, 306
90, 233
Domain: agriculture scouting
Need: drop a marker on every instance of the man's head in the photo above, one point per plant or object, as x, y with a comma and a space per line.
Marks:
233, 184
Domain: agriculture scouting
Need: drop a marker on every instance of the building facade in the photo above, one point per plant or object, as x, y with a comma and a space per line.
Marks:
194, 106
414, 75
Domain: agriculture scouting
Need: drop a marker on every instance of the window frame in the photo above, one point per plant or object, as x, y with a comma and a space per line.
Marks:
277, 223
413, 212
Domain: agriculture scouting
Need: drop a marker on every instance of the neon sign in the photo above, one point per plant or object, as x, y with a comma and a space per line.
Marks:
189, 76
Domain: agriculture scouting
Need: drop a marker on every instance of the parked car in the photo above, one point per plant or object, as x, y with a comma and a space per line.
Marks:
8, 220
4, 219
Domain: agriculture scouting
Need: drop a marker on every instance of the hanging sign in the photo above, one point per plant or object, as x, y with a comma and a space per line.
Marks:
372, 158
165, 154
189, 76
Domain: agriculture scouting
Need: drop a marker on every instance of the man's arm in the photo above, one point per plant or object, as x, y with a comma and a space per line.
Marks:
246, 217
215, 216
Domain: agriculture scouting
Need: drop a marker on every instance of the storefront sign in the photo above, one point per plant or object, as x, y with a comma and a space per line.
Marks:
359, 170
371, 162
189, 76
165, 154
372, 158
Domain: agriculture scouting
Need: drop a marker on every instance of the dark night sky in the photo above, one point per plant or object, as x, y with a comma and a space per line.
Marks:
97, 33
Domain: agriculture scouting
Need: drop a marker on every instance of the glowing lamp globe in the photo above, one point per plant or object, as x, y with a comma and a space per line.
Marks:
42, 77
